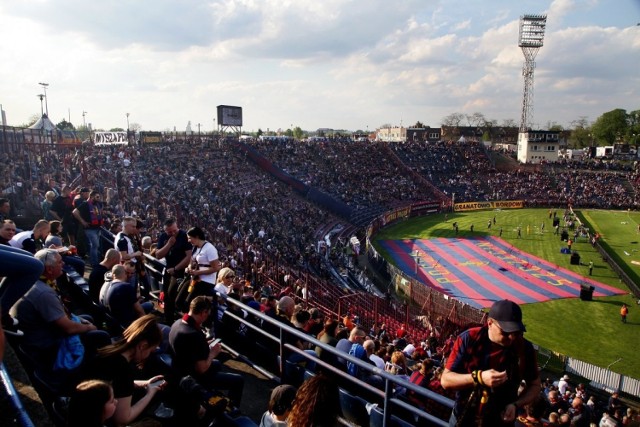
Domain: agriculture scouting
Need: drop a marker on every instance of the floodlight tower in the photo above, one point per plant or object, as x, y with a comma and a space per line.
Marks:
530, 40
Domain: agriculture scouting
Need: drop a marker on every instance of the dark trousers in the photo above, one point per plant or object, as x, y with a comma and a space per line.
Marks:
170, 288
215, 379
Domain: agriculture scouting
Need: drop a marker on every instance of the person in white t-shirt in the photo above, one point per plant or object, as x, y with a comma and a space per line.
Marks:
204, 265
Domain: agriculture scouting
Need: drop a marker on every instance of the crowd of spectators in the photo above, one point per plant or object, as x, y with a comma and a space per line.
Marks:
247, 213
348, 171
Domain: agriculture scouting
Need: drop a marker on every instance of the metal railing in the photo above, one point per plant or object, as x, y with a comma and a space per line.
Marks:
386, 396
22, 417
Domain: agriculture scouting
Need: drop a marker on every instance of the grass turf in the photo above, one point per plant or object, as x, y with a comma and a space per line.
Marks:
588, 331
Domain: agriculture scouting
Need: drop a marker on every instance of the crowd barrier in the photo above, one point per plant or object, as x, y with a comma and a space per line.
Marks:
21, 415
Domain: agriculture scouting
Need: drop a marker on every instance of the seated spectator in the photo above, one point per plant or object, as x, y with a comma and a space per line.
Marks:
533, 413
280, 405
614, 402
46, 321
370, 346
328, 336
285, 311
91, 404
194, 356
398, 366
54, 241
556, 403
97, 277
19, 271
224, 281
580, 413
317, 322
116, 363
316, 403
120, 298
7, 231
358, 351
31, 240
356, 335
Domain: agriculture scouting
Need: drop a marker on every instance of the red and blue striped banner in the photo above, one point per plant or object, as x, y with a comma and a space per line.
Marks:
479, 271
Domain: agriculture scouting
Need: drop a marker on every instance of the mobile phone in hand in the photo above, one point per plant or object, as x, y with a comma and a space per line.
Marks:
214, 342
157, 383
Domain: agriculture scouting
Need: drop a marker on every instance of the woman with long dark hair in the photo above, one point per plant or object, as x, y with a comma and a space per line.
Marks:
91, 404
117, 362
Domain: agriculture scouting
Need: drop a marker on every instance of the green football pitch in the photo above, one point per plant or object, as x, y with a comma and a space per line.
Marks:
590, 331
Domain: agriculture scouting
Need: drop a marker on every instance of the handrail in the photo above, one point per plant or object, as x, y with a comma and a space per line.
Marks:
21, 413
389, 379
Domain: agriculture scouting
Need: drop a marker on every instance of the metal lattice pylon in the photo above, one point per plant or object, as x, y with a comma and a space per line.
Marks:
530, 40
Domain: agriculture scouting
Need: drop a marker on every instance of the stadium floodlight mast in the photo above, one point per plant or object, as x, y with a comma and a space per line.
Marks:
530, 40
46, 101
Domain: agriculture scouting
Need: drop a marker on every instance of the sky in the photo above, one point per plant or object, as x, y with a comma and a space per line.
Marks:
340, 64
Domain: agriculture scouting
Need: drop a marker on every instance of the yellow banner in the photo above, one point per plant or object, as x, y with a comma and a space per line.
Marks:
501, 204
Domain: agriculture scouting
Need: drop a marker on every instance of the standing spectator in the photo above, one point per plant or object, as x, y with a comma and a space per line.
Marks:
46, 204
174, 247
563, 385
90, 216
624, 311
203, 267
483, 365
61, 210
5, 209
124, 241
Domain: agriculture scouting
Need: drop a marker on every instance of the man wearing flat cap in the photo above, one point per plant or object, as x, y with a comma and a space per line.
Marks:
487, 366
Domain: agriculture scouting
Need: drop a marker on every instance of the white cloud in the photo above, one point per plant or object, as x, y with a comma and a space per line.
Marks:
337, 63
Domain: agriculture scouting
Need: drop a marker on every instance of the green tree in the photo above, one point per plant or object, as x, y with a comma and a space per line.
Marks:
298, 133
289, 133
418, 125
633, 119
610, 126
580, 138
116, 130
259, 133
65, 125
